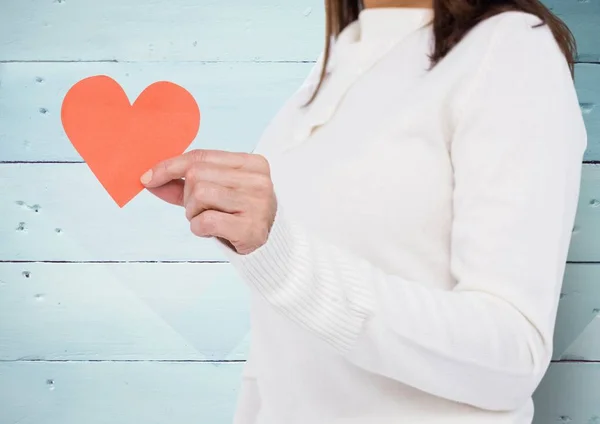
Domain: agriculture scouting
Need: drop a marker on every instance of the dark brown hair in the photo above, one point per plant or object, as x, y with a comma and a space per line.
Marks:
452, 20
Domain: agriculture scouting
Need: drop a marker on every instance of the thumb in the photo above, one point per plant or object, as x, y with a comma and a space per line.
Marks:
171, 192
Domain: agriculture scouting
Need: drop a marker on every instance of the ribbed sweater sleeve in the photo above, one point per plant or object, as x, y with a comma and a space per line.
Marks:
516, 151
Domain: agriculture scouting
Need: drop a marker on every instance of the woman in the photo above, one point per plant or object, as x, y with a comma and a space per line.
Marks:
404, 221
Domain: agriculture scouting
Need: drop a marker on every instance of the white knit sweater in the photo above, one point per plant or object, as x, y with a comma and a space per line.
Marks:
413, 271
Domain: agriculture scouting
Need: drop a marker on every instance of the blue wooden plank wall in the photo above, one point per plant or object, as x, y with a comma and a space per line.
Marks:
109, 318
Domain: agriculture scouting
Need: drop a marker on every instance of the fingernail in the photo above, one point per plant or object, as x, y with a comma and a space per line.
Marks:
146, 177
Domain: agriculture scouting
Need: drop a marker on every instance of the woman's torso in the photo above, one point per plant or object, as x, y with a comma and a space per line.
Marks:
385, 134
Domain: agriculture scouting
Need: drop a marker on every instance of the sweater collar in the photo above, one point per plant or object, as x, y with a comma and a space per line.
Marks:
384, 24
391, 23
359, 47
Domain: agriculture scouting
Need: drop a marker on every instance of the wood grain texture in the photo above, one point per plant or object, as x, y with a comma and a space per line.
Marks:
236, 101
59, 212
191, 393
585, 242
587, 83
187, 311
577, 331
188, 30
118, 392
569, 394
582, 17
177, 30
137, 311
153, 342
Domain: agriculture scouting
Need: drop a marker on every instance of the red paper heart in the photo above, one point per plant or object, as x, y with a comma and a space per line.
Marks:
120, 141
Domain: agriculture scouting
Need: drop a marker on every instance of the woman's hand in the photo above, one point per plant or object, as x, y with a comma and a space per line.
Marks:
226, 195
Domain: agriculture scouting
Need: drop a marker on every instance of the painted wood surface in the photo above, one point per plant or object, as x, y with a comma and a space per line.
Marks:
143, 392
577, 331
134, 311
585, 241
236, 100
187, 311
59, 212
192, 393
157, 30
569, 394
587, 83
106, 317
190, 30
582, 18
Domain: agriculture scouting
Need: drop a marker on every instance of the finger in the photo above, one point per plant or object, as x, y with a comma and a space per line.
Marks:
172, 192
177, 167
167, 170
207, 195
212, 175
219, 224
236, 160
227, 177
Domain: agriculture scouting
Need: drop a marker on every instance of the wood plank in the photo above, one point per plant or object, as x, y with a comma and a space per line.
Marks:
118, 392
585, 242
167, 392
136, 311
178, 30
587, 83
60, 212
569, 394
582, 17
236, 101
186, 311
185, 30
577, 331
586, 346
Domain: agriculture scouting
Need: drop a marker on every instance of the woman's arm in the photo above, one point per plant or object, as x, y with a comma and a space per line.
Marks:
517, 153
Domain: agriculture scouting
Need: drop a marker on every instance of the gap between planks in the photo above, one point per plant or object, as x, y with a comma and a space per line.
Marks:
222, 361
166, 61
592, 60
202, 361
158, 261
63, 162
25, 261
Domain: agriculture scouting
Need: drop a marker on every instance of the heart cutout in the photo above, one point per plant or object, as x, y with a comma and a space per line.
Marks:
120, 141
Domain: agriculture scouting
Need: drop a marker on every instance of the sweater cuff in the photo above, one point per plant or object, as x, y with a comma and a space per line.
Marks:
287, 271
